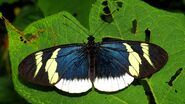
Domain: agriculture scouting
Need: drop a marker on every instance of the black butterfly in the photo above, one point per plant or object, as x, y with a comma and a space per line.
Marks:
109, 66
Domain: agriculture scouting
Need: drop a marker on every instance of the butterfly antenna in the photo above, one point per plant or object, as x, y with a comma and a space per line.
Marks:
83, 29
104, 24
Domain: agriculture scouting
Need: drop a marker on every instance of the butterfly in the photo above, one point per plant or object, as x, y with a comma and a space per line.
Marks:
108, 66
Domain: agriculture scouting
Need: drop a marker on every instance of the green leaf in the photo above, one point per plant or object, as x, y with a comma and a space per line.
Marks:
1, 15
79, 8
167, 30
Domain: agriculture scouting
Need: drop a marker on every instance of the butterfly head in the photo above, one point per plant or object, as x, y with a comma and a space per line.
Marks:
90, 39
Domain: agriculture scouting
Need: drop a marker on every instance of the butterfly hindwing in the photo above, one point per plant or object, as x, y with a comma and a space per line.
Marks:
119, 62
65, 67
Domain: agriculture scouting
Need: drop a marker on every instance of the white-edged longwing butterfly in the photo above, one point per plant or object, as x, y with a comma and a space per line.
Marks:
108, 66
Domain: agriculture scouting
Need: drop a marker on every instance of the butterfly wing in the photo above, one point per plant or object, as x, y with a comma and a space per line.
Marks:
152, 56
65, 67
119, 62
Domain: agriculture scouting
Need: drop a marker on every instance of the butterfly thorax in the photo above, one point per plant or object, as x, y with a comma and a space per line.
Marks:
91, 50
91, 45
90, 40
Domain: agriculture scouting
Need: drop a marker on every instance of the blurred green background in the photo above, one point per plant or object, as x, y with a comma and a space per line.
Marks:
23, 12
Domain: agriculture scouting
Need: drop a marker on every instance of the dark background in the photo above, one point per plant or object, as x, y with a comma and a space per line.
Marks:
15, 10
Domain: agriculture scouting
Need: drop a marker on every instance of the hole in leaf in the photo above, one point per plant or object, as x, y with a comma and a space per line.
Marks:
148, 92
25, 41
106, 10
107, 15
134, 26
106, 18
119, 4
170, 83
105, 3
147, 35
175, 91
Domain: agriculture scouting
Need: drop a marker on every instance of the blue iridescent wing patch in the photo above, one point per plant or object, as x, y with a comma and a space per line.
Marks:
109, 66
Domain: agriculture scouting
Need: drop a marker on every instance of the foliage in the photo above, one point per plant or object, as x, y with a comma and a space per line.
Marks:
167, 30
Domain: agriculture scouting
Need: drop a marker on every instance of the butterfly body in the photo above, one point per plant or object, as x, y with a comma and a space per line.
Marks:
109, 66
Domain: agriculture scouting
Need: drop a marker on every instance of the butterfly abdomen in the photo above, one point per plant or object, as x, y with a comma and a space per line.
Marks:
91, 51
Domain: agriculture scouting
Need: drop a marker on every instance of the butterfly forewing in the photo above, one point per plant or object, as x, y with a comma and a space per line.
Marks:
65, 67
152, 57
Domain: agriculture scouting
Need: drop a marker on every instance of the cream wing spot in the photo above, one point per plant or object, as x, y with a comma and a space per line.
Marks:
51, 66
133, 71
145, 49
134, 68
54, 78
38, 59
134, 60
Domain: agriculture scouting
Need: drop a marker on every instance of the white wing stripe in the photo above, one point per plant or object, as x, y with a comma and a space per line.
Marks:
111, 84
74, 85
